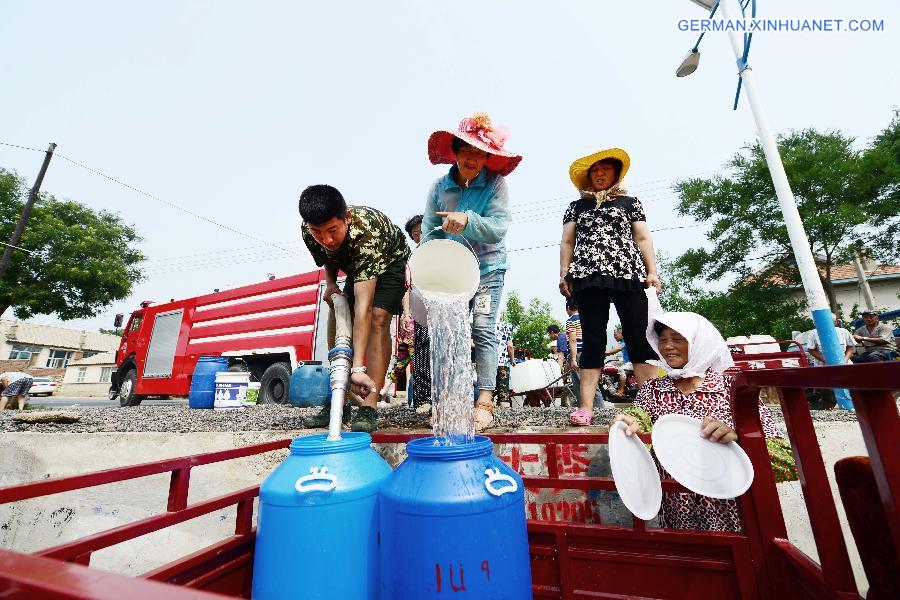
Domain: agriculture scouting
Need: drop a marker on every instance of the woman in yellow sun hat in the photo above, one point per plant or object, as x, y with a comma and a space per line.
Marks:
606, 256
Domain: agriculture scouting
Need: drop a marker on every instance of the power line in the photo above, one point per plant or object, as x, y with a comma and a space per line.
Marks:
157, 198
633, 188
171, 204
21, 147
17, 248
183, 262
651, 231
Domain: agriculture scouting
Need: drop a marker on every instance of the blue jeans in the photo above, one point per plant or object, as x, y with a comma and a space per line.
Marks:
485, 305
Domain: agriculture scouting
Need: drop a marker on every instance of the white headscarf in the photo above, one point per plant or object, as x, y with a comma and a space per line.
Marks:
706, 348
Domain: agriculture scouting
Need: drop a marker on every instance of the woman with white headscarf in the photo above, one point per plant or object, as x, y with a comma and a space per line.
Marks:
694, 356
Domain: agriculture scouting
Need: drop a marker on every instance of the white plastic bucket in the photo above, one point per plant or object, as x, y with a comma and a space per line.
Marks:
231, 389
441, 267
534, 375
755, 348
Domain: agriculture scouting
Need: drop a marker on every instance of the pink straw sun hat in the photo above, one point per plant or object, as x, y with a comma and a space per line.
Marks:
477, 131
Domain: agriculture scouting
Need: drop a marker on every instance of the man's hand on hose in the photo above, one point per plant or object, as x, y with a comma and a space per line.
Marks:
331, 288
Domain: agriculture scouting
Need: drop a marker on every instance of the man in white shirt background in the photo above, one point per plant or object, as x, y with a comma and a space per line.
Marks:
848, 344
15, 388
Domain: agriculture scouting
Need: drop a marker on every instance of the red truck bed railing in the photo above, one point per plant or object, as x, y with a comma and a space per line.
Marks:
569, 560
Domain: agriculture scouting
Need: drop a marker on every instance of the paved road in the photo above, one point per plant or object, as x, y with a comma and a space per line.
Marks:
66, 401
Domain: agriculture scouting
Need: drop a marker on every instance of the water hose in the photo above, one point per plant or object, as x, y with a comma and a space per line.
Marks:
341, 358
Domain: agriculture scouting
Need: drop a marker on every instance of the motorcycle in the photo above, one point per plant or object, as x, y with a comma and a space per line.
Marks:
609, 382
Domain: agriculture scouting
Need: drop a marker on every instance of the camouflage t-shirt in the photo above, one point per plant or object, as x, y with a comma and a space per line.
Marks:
373, 242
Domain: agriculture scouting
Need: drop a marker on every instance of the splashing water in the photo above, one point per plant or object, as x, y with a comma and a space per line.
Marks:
449, 333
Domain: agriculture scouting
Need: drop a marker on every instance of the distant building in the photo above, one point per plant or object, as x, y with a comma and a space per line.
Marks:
884, 281
29, 346
89, 376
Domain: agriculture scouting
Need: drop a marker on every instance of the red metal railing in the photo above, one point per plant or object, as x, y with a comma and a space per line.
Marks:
567, 559
876, 410
792, 355
177, 509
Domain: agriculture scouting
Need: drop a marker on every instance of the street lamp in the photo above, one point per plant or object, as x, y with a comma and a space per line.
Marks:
690, 63
809, 274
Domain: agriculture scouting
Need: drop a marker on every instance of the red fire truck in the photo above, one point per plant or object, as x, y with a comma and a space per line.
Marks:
265, 328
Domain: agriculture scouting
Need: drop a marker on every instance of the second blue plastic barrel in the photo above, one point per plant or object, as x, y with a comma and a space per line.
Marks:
453, 520
203, 381
310, 385
317, 531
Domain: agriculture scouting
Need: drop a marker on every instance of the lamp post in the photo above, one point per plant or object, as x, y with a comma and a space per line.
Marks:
809, 274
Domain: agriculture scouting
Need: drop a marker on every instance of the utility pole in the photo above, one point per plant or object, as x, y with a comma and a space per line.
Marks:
809, 274
26, 213
861, 274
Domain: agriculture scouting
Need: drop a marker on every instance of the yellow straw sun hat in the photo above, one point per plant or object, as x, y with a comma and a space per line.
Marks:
578, 172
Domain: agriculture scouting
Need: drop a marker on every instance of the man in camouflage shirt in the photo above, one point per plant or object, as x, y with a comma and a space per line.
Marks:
363, 243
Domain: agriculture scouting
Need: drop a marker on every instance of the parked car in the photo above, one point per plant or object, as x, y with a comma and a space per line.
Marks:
42, 386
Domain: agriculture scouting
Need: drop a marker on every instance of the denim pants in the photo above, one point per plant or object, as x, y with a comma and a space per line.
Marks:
484, 306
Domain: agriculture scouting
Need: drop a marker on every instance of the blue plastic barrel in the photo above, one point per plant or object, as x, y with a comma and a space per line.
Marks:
203, 381
453, 520
310, 385
317, 531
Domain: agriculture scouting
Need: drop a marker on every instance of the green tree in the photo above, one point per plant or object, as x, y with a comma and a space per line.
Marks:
81, 260
750, 307
529, 325
879, 178
827, 177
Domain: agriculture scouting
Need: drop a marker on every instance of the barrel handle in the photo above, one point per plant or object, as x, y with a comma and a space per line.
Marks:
495, 475
460, 236
327, 481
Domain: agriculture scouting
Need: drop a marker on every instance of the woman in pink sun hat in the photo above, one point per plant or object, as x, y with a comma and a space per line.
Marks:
471, 201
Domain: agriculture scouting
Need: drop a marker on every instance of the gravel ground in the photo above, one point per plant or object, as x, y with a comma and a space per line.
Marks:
180, 419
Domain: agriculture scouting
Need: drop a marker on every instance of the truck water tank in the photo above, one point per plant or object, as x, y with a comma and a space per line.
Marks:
453, 520
317, 531
310, 385
203, 381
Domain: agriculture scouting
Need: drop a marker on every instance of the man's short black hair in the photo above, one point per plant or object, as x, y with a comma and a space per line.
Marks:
321, 203
571, 304
413, 221
553, 329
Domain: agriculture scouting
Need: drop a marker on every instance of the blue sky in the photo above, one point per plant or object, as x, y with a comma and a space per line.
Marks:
230, 109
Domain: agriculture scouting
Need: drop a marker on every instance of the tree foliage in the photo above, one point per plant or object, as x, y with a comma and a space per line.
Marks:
879, 178
529, 325
748, 308
841, 194
81, 260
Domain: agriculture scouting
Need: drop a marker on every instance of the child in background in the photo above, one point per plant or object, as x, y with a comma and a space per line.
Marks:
695, 358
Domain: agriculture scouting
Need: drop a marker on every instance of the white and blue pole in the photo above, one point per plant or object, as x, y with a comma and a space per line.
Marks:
812, 285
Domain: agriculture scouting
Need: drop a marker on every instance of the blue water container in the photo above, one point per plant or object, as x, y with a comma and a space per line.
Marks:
317, 531
453, 520
310, 385
203, 381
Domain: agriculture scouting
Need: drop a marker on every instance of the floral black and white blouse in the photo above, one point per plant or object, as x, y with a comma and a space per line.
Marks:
606, 254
